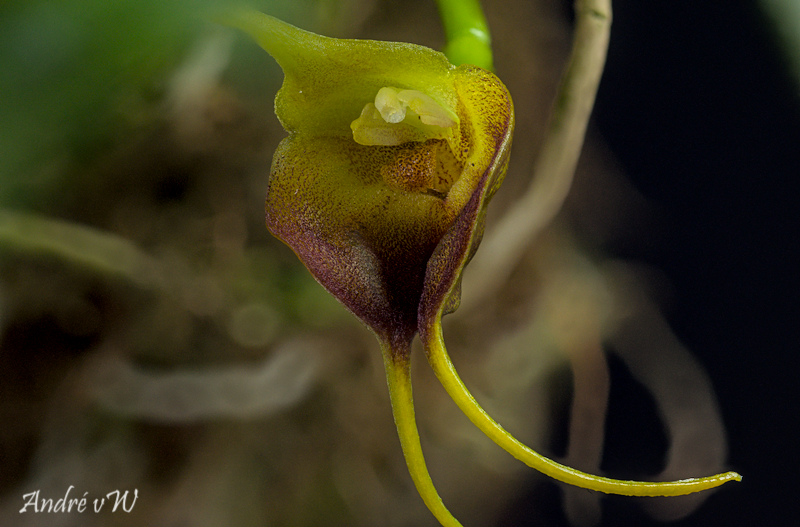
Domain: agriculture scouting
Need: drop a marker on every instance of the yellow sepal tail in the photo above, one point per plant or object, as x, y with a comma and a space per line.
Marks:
399, 380
445, 371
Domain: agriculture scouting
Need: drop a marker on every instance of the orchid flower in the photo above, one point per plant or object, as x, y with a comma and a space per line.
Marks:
381, 189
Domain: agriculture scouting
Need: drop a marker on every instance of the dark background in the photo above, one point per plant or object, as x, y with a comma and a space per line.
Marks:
698, 105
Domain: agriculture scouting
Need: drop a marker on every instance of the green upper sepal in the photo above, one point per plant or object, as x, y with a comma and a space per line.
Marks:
392, 155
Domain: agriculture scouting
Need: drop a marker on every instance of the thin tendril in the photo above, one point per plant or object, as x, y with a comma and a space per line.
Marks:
399, 380
445, 371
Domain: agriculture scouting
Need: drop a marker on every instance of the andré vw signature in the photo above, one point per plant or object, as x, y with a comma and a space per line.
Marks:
79, 505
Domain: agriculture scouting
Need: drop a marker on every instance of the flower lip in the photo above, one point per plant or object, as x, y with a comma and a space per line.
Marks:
402, 116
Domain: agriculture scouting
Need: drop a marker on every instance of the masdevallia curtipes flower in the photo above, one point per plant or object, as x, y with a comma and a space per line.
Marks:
381, 189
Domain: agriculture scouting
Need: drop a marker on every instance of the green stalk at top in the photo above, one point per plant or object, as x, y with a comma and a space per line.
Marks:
468, 39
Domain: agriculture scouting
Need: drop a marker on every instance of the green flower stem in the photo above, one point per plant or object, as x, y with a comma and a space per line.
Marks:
399, 380
445, 371
468, 39
555, 165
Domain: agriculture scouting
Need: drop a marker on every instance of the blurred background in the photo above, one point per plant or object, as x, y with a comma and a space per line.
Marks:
154, 336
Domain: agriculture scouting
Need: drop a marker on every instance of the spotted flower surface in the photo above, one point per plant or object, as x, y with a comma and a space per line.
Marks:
391, 157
